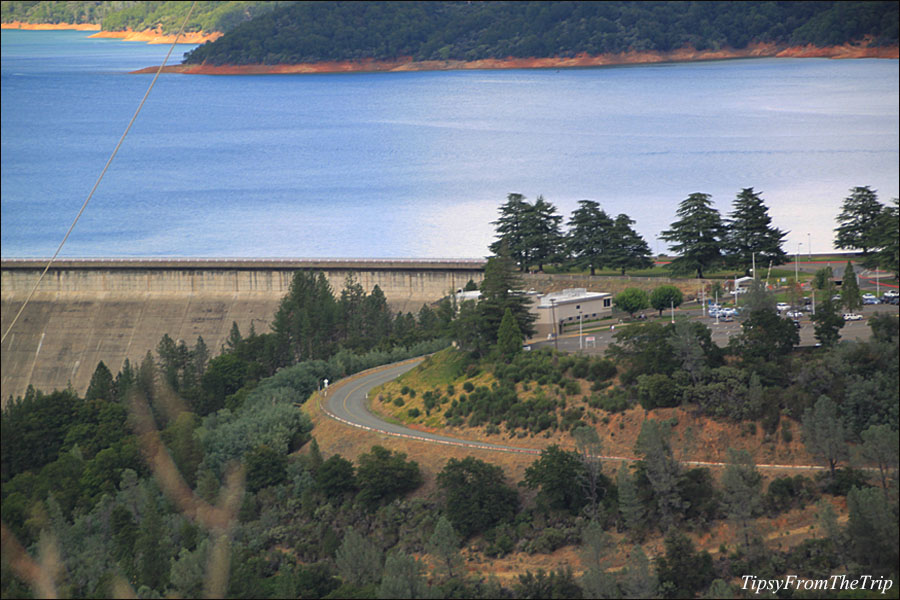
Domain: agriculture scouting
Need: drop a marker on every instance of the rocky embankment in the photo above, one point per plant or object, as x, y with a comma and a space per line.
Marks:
581, 60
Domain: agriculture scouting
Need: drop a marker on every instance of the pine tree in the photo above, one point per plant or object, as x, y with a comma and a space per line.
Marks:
887, 240
101, 385
639, 580
509, 338
444, 545
500, 291
824, 433
512, 230
750, 233
544, 238
850, 297
590, 236
697, 236
628, 250
741, 492
358, 560
859, 221
630, 507
662, 470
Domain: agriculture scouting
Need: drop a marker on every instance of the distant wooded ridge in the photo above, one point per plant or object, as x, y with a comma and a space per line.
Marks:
309, 32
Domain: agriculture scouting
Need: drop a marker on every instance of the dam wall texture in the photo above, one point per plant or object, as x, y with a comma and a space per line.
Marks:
91, 310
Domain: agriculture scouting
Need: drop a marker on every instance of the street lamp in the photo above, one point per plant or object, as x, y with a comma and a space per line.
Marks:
555, 324
580, 339
797, 268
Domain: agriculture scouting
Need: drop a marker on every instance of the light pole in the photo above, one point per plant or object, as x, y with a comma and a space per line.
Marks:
555, 324
797, 270
672, 306
580, 339
809, 246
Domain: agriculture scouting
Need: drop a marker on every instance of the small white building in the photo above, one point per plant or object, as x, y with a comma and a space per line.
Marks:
568, 307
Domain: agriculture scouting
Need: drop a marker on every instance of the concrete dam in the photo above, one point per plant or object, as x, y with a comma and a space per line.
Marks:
91, 310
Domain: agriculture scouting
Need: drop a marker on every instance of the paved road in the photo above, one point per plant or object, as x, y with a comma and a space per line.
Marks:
346, 402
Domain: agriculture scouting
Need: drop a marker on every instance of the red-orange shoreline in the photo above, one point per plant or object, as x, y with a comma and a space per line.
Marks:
149, 36
855, 50
582, 60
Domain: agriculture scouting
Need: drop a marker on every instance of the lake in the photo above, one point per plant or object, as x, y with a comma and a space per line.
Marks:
416, 164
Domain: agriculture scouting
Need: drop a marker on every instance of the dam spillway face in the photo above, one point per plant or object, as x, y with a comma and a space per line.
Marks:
87, 311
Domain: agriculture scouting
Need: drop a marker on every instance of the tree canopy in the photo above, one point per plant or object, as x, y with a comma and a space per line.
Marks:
299, 32
696, 236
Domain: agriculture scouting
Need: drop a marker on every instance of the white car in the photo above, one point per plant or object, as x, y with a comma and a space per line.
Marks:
795, 314
782, 306
891, 294
852, 317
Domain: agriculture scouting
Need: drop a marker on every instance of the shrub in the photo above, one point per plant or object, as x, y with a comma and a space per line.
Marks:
657, 391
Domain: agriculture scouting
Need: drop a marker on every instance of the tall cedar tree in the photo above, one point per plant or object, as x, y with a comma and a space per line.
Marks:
696, 237
628, 249
750, 232
590, 234
887, 239
544, 237
859, 221
512, 229
499, 292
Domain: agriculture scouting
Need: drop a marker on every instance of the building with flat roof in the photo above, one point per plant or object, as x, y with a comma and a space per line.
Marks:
557, 309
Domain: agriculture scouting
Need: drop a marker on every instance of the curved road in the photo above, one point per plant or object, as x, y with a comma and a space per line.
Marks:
346, 402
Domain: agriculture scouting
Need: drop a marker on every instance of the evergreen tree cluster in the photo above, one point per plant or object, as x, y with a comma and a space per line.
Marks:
702, 240
301, 32
532, 235
867, 225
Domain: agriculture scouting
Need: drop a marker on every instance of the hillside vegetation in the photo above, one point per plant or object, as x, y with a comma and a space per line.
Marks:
138, 16
304, 32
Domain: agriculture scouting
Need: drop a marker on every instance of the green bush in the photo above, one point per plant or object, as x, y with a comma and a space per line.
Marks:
657, 391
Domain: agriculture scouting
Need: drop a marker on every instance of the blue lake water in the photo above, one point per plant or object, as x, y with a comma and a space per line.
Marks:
416, 164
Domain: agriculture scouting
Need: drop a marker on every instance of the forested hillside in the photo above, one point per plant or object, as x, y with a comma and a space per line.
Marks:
118, 16
302, 32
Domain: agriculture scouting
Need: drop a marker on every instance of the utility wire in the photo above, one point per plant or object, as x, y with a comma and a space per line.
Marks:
102, 173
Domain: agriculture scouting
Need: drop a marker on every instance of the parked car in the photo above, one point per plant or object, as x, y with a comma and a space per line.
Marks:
891, 294
781, 306
852, 317
795, 314
871, 300
797, 324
